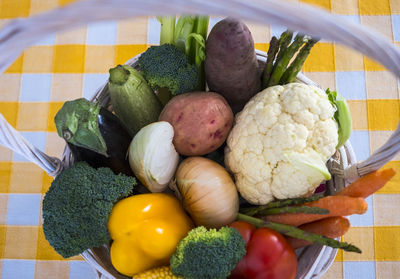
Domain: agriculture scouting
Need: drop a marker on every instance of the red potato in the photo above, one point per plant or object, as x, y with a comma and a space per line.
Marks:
201, 121
231, 65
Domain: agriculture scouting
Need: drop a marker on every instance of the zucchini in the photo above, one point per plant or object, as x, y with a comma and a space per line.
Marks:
133, 101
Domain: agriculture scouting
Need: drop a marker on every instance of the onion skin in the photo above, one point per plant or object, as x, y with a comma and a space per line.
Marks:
208, 192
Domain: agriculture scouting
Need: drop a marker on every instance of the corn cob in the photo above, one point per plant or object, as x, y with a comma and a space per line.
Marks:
162, 272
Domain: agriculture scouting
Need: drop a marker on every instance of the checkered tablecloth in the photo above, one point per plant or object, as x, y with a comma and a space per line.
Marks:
73, 64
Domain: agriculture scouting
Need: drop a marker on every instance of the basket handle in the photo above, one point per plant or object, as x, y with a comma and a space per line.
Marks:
12, 139
377, 160
21, 33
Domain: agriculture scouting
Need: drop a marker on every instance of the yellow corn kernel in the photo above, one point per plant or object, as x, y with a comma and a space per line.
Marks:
163, 272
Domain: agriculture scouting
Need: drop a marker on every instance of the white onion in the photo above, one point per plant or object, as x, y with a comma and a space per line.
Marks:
152, 156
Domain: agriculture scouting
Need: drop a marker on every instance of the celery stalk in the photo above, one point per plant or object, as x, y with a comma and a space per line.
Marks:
197, 53
184, 27
167, 29
189, 34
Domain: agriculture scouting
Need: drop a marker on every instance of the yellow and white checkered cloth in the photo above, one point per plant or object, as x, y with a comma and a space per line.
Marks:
73, 64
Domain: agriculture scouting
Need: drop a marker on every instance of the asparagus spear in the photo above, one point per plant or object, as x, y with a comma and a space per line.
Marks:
294, 209
272, 51
284, 41
286, 202
276, 48
297, 233
291, 72
280, 65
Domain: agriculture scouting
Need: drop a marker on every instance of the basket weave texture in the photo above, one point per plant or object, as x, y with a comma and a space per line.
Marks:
18, 35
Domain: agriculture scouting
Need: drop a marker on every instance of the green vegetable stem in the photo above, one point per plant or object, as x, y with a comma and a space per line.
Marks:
298, 233
188, 35
291, 72
284, 41
269, 65
255, 210
197, 52
278, 68
183, 28
167, 29
281, 64
293, 209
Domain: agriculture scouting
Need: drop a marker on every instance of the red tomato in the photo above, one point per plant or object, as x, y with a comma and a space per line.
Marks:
269, 255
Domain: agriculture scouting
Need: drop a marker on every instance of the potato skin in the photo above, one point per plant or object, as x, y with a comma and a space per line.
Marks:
231, 64
201, 121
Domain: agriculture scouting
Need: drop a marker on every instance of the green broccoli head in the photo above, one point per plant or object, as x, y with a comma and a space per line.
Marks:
166, 66
211, 254
77, 206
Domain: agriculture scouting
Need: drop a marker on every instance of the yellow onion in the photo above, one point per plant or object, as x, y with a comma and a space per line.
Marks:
207, 192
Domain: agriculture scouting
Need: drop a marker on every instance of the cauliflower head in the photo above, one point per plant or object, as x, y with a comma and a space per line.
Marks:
276, 137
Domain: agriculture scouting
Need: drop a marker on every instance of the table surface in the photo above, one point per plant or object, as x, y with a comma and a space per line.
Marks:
73, 64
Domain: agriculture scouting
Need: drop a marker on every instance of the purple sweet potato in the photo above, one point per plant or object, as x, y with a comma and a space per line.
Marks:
201, 121
231, 65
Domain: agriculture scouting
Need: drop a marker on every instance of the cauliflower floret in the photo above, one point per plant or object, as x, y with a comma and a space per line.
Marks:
320, 139
285, 176
258, 192
280, 120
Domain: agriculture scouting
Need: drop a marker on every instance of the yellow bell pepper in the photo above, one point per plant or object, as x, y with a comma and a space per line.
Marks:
146, 229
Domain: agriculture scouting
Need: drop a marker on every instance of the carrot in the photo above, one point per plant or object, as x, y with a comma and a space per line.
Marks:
331, 227
368, 184
337, 206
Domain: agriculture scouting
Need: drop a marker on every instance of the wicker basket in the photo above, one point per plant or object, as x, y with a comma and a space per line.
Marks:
313, 260
19, 34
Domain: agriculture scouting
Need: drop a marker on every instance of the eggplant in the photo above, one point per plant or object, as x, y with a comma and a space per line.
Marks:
117, 140
94, 135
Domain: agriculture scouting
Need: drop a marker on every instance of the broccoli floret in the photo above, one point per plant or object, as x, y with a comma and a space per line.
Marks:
77, 206
166, 66
208, 254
